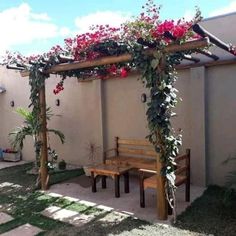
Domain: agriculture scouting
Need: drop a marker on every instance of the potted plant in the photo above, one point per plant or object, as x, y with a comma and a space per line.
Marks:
62, 165
31, 127
93, 152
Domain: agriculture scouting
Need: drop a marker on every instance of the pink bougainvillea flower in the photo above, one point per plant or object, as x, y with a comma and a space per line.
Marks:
123, 72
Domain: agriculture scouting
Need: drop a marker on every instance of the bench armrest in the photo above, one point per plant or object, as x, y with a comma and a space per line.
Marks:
148, 171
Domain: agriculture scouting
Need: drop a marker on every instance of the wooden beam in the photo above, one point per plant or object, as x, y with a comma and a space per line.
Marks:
208, 54
213, 39
191, 58
230, 61
43, 139
124, 58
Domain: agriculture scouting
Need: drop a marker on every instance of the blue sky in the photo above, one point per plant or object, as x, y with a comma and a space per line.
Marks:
34, 26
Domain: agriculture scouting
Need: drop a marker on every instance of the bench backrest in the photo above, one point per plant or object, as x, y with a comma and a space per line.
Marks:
134, 147
183, 164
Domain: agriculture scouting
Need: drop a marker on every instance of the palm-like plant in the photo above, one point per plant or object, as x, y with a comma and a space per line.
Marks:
31, 127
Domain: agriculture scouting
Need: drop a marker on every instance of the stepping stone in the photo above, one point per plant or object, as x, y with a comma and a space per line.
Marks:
66, 216
5, 184
24, 230
4, 218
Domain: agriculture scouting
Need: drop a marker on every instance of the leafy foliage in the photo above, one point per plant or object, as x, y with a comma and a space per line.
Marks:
31, 127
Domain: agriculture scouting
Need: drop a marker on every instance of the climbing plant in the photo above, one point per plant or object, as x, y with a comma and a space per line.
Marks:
147, 31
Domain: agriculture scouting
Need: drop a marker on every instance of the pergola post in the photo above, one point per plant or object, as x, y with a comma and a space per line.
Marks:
162, 205
43, 139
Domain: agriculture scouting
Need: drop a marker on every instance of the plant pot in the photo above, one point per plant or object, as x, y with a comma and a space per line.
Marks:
62, 165
86, 170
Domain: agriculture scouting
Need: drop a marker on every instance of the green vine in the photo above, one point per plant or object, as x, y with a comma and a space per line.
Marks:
159, 76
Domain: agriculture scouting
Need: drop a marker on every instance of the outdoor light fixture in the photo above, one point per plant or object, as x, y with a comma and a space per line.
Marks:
57, 102
12, 103
143, 98
2, 89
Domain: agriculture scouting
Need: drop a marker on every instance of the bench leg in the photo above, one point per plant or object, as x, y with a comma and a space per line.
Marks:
117, 186
187, 190
126, 182
142, 193
104, 184
93, 179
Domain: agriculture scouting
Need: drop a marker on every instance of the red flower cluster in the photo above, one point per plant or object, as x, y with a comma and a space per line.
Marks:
58, 89
81, 45
178, 30
123, 72
59, 86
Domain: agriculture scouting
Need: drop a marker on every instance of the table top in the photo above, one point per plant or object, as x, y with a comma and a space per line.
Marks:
109, 169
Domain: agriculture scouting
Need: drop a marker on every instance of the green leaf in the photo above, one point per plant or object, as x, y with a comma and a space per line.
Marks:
154, 63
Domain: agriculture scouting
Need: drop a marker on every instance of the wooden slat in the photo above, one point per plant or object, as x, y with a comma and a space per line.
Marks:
134, 142
180, 180
181, 170
143, 152
180, 158
136, 162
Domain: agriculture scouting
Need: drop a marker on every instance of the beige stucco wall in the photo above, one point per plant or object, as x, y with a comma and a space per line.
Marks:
98, 111
79, 115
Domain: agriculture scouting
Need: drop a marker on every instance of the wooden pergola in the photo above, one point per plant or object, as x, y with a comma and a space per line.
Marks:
68, 64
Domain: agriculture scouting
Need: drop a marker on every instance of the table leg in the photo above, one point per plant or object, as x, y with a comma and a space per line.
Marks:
93, 179
126, 182
104, 184
117, 186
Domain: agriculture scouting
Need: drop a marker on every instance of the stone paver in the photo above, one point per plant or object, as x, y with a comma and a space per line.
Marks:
67, 216
5, 218
23, 230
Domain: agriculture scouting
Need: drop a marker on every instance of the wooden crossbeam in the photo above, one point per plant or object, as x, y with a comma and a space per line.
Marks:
191, 58
208, 54
230, 61
191, 45
213, 39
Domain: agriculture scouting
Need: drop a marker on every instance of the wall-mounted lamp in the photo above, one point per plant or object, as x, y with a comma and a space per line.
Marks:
2, 89
57, 102
143, 97
12, 103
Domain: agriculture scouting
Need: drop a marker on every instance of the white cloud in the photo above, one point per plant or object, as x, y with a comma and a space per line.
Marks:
114, 19
224, 10
19, 25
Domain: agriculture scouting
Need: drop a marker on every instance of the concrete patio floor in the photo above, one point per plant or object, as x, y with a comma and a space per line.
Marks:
80, 189
5, 164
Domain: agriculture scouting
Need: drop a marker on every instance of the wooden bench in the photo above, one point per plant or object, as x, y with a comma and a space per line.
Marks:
182, 173
139, 154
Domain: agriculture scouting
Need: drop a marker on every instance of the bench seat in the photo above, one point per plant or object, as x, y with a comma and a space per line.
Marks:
135, 162
151, 182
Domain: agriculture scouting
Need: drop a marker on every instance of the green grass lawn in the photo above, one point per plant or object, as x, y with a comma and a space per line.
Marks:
207, 215
212, 213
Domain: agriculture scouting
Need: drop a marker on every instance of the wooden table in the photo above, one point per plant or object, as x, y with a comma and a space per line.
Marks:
115, 172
